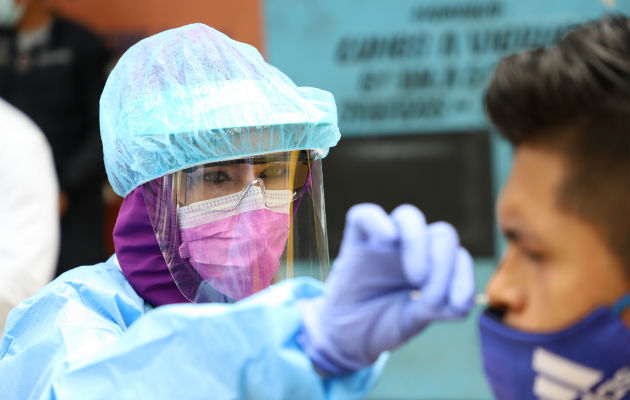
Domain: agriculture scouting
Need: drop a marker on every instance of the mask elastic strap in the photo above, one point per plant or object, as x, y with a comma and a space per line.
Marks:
621, 304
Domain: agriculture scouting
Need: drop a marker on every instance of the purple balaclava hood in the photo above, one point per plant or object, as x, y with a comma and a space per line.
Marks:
139, 254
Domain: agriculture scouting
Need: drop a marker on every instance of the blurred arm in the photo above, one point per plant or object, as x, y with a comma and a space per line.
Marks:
29, 232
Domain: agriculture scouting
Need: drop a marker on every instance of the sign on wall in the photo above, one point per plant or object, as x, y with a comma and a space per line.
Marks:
409, 65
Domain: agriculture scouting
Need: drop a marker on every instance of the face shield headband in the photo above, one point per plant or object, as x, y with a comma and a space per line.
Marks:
588, 360
230, 229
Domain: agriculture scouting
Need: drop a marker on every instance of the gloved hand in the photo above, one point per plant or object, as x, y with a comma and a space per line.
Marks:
393, 276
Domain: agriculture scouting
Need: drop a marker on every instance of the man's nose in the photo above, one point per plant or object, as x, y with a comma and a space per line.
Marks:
504, 288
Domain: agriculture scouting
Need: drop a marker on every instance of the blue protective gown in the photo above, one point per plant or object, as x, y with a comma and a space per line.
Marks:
89, 335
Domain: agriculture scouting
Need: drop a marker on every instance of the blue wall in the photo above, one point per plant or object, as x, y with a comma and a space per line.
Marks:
435, 57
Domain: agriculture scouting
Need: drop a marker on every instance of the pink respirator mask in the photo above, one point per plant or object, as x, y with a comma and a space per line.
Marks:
235, 242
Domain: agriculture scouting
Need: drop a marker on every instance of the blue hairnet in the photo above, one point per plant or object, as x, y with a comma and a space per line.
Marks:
191, 95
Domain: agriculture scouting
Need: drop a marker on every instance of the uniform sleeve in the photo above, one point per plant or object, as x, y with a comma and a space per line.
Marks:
184, 351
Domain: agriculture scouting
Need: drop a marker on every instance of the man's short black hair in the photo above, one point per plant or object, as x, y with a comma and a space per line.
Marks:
574, 98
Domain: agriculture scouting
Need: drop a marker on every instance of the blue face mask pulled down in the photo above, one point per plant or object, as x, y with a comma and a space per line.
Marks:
588, 360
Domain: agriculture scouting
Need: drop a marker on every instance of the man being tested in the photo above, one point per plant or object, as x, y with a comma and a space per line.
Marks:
559, 320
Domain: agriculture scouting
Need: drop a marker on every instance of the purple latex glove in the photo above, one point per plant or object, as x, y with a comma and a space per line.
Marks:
393, 276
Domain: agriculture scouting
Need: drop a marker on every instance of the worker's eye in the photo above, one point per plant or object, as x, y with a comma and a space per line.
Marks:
216, 176
273, 172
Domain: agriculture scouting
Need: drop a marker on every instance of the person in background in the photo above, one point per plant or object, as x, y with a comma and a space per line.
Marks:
54, 70
218, 156
29, 232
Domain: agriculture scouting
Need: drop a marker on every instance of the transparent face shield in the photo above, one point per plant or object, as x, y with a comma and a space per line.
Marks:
230, 229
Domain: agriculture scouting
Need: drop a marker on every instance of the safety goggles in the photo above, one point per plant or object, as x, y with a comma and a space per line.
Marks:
287, 171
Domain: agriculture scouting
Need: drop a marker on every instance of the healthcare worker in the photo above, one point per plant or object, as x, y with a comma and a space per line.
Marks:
218, 156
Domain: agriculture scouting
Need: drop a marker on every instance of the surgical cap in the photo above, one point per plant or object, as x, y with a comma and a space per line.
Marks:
191, 95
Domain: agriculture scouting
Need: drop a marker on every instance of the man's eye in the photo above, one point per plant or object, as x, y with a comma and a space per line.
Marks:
533, 256
216, 177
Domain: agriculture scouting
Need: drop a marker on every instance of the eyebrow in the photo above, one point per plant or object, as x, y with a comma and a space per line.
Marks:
302, 157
